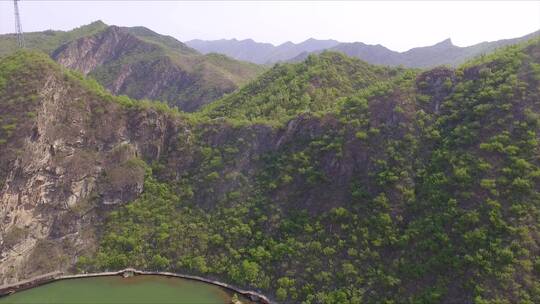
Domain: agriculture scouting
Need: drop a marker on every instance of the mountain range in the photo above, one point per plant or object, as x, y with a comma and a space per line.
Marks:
260, 53
442, 53
329, 180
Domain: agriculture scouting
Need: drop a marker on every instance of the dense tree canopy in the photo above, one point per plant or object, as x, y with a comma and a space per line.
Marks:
386, 186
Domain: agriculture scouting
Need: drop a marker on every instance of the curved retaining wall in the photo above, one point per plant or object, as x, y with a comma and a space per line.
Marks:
57, 276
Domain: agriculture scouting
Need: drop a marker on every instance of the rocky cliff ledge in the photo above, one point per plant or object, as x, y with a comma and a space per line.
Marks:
71, 155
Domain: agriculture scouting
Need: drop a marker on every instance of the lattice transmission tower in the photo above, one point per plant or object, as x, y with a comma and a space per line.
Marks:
18, 27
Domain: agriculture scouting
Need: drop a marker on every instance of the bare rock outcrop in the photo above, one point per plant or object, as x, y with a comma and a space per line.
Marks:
74, 157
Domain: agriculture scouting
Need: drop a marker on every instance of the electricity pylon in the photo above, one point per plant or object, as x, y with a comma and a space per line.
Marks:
18, 27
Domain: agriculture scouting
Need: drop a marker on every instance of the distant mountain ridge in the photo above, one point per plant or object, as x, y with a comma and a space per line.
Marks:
442, 53
257, 52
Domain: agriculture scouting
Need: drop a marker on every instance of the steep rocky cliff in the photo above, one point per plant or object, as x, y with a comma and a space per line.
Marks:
142, 64
67, 155
88, 53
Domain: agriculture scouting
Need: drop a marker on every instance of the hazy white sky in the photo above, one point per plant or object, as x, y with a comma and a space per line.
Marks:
397, 25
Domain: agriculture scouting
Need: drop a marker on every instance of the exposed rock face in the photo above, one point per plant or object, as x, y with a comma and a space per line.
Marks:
88, 53
59, 179
144, 65
72, 154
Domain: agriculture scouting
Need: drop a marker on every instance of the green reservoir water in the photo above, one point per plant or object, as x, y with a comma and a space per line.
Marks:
115, 289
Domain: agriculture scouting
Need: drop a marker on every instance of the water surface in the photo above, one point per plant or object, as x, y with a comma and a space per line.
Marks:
142, 289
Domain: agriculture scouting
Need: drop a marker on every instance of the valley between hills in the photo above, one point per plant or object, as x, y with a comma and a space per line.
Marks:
325, 179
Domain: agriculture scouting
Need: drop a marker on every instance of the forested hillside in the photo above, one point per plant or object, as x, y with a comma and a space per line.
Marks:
327, 181
315, 85
423, 189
